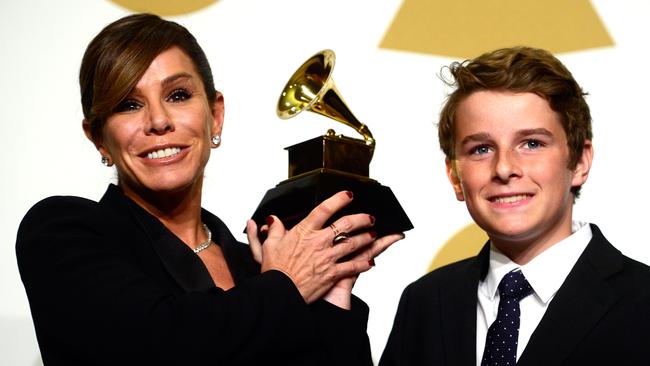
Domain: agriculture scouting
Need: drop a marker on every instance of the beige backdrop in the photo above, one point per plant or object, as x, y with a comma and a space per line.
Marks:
388, 55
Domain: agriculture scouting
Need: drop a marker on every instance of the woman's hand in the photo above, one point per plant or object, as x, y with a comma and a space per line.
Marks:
307, 253
340, 293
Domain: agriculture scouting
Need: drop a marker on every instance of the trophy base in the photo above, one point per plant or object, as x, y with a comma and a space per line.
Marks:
293, 199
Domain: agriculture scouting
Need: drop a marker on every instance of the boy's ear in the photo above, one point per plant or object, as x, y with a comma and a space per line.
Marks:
583, 166
452, 174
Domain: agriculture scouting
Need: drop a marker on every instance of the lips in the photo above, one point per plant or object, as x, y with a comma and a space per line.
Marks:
507, 199
162, 152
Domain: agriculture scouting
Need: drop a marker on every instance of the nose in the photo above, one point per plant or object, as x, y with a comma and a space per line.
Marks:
506, 166
159, 121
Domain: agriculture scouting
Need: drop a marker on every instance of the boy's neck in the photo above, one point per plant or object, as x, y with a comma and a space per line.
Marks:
523, 250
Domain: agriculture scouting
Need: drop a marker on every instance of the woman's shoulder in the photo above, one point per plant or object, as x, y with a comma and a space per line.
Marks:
70, 215
55, 222
63, 203
56, 208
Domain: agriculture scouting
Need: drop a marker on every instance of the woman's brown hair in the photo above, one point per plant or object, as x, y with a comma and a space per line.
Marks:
120, 54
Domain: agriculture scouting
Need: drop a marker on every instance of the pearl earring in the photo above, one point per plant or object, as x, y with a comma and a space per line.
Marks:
105, 161
216, 140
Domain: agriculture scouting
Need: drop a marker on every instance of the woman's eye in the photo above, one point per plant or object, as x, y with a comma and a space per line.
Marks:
127, 106
179, 95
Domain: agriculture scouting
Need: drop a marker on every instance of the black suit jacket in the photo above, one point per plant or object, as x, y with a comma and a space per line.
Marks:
108, 284
599, 316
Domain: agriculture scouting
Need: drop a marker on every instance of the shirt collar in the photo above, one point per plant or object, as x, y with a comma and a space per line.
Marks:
547, 271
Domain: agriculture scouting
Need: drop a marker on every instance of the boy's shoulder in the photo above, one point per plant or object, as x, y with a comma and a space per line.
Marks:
466, 271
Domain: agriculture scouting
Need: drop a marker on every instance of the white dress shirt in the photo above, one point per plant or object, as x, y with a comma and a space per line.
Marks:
545, 273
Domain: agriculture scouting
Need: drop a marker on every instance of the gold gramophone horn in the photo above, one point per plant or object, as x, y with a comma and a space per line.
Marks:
312, 88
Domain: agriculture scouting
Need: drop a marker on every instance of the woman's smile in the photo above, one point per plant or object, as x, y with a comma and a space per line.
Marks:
159, 136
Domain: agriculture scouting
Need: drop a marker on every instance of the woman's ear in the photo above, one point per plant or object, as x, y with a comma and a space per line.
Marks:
97, 142
218, 110
85, 124
452, 174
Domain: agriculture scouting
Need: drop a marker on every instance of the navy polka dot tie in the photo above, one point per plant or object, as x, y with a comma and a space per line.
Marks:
503, 334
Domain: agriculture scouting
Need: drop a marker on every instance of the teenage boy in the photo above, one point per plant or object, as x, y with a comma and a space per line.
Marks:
544, 290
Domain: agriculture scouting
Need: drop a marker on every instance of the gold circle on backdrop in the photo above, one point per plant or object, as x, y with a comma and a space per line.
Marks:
464, 244
164, 7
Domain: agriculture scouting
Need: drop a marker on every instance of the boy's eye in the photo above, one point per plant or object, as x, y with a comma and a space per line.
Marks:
533, 144
179, 95
127, 106
480, 150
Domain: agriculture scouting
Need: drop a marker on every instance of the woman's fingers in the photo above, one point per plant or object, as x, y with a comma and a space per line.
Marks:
254, 240
342, 227
364, 247
276, 230
319, 215
351, 268
381, 244
355, 244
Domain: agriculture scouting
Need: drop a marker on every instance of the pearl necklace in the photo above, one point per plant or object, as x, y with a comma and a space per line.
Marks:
207, 241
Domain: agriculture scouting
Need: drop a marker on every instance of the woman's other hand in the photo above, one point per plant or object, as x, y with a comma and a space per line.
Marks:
340, 293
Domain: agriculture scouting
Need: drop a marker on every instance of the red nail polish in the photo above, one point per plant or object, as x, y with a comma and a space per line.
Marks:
372, 219
350, 194
373, 234
269, 220
371, 262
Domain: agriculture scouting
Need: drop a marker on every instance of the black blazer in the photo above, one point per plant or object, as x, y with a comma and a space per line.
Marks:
108, 284
599, 316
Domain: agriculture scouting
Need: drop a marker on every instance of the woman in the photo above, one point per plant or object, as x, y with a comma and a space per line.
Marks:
145, 276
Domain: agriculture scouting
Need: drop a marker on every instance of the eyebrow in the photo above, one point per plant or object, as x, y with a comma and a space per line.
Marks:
171, 79
482, 136
534, 131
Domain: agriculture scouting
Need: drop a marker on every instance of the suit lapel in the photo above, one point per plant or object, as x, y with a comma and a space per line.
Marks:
578, 305
458, 309
181, 263
185, 267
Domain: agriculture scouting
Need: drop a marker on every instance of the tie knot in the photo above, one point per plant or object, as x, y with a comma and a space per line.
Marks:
514, 285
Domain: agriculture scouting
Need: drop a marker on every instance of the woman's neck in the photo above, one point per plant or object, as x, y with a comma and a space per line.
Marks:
179, 211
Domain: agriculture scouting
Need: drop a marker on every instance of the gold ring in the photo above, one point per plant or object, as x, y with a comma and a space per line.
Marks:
338, 234
340, 238
335, 230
